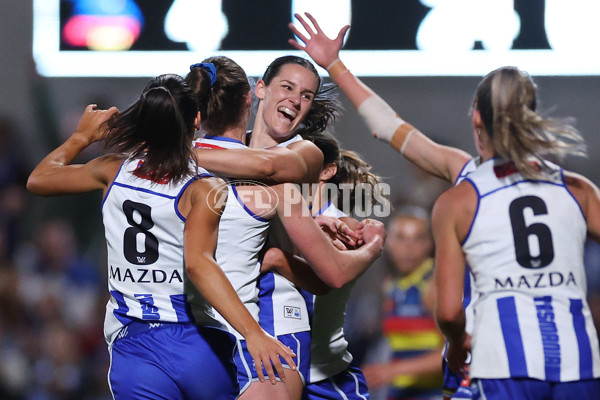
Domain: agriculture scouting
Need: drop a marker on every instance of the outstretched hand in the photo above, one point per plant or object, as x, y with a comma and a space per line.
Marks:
323, 50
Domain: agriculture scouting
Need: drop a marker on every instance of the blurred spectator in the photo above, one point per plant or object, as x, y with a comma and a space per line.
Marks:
55, 271
53, 339
13, 175
412, 368
424, 188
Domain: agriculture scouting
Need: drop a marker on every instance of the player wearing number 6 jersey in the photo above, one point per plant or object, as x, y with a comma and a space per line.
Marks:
520, 223
507, 132
161, 215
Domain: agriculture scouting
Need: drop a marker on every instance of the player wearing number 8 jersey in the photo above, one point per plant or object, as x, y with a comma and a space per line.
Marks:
161, 214
520, 223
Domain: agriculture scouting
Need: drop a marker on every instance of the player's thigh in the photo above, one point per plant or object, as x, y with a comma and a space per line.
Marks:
132, 376
207, 370
299, 343
294, 384
174, 362
257, 390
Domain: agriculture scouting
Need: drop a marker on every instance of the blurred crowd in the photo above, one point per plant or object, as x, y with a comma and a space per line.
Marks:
53, 290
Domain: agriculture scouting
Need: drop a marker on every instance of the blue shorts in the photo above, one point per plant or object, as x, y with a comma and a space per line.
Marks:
298, 342
534, 389
350, 384
172, 361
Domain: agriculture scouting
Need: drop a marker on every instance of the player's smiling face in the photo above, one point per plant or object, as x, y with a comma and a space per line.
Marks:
287, 99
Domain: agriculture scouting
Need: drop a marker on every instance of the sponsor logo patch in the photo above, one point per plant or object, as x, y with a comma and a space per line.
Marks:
291, 312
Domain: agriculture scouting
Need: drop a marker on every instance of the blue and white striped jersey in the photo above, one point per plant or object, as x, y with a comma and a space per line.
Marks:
242, 235
525, 250
468, 293
144, 235
282, 305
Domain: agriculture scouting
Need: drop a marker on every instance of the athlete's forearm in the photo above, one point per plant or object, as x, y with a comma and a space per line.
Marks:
384, 123
276, 165
50, 175
339, 268
213, 284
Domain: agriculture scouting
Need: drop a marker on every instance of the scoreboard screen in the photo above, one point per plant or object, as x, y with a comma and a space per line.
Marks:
136, 38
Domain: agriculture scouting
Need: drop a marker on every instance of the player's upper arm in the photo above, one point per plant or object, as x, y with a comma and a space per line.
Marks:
312, 158
587, 195
202, 204
96, 174
451, 217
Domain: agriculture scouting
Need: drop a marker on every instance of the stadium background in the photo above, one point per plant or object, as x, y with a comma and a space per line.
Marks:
36, 114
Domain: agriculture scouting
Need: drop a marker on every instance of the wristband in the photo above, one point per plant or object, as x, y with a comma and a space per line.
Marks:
336, 69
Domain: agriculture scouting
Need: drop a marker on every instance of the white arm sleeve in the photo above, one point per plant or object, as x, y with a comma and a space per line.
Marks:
380, 117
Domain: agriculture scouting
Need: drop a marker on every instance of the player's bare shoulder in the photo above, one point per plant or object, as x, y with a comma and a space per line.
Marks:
457, 206
581, 187
587, 195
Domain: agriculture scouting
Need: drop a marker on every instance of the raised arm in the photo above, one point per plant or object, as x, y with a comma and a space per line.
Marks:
300, 162
200, 241
442, 161
334, 267
55, 175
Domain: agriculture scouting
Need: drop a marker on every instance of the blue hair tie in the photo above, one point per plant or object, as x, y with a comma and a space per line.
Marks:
209, 68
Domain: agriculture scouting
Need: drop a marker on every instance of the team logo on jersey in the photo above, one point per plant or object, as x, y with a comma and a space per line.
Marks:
123, 332
256, 198
291, 312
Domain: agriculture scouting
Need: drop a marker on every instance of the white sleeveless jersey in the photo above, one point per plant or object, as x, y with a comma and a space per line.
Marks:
144, 236
469, 295
329, 353
282, 305
469, 167
525, 250
242, 235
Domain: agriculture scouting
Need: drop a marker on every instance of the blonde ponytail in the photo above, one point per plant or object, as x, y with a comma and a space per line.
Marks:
506, 99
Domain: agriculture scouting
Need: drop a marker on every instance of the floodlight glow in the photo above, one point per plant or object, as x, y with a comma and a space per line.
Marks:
103, 25
200, 24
